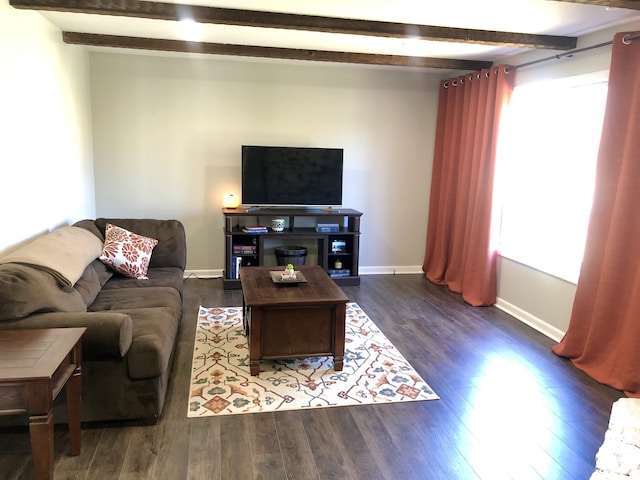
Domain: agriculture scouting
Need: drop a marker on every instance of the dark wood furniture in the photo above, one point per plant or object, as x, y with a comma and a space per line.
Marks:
293, 321
34, 367
301, 225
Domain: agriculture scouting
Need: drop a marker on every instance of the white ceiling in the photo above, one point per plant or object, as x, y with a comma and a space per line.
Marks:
521, 16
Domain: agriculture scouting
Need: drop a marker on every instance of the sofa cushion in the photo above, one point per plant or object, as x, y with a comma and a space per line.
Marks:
25, 290
154, 331
130, 299
90, 225
171, 250
158, 277
127, 252
92, 280
155, 314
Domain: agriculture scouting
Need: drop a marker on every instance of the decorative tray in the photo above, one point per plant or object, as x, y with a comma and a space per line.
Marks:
277, 277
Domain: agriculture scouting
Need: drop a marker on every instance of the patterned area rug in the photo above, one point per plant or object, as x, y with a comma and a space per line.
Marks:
374, 371
619, 456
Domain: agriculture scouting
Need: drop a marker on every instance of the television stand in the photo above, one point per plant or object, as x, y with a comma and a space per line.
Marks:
338, 251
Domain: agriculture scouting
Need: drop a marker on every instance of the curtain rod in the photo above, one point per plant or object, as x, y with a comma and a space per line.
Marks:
627, 39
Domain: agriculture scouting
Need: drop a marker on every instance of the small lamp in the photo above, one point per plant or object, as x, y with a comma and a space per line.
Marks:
231, 200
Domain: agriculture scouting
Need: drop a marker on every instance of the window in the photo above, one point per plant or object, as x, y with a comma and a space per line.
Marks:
546, 170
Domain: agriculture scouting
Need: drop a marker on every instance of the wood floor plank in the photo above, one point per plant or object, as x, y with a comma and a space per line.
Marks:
235, 448
204, 449
266, 457
80, 464
359, 460
13, 464
297, 456
509, 409
394, 457
438, 455
173, 452
109, 454
143, 452
329, 459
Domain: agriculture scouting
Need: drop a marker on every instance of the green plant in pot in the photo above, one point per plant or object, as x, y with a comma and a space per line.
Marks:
289, 271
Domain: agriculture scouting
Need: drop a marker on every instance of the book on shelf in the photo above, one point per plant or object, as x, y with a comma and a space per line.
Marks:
236, 263
255, 229
327, 227
245, 249
339, 272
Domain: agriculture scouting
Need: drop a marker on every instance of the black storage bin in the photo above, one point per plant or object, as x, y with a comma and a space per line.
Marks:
291, 255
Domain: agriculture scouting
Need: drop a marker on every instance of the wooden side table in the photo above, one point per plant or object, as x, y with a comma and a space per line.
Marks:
34, 367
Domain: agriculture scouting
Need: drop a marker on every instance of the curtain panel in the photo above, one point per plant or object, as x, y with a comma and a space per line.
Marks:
603, 338
459, 250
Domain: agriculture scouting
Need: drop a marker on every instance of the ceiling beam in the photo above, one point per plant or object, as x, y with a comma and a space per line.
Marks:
625, 4
253, 18
138, 43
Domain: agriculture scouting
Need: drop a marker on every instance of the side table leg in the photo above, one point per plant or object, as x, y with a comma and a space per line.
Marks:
41, 430
74, 399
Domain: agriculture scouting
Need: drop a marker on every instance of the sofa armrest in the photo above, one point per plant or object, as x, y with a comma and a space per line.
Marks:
108, 334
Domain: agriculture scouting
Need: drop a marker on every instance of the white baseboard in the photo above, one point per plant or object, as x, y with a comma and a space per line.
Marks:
391, 270
531, 320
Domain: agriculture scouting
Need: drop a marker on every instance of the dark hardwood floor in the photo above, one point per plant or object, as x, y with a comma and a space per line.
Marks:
509, 409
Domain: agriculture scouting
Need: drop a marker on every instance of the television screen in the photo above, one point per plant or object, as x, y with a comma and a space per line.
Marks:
291, 176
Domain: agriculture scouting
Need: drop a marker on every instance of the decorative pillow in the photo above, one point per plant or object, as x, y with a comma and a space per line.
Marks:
126, 252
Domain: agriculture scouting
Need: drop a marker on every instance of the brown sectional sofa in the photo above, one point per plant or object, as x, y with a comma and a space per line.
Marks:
132, 325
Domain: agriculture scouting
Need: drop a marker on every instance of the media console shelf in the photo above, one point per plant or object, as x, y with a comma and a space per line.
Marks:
333, 248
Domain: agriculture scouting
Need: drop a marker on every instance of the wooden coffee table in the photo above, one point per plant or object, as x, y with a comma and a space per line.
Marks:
34, 367
293, 321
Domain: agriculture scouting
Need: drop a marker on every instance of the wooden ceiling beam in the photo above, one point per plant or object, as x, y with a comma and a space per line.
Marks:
138, 43
253, 18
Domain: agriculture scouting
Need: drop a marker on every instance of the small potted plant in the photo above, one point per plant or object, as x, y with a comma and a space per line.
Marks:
289, 272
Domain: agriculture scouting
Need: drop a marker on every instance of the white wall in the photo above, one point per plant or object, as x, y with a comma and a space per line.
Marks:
542, 300
168, 132
45, 147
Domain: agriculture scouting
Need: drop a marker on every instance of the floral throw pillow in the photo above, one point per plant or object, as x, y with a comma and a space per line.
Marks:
126, 252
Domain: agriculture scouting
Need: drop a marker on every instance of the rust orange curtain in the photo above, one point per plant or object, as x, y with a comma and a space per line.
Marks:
603, 338
459, 251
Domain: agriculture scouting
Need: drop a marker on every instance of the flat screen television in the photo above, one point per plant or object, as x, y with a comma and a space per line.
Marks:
291, 176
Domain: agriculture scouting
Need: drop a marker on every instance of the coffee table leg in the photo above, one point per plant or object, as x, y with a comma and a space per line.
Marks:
338, 363
255, 340
41, 430
340, 313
